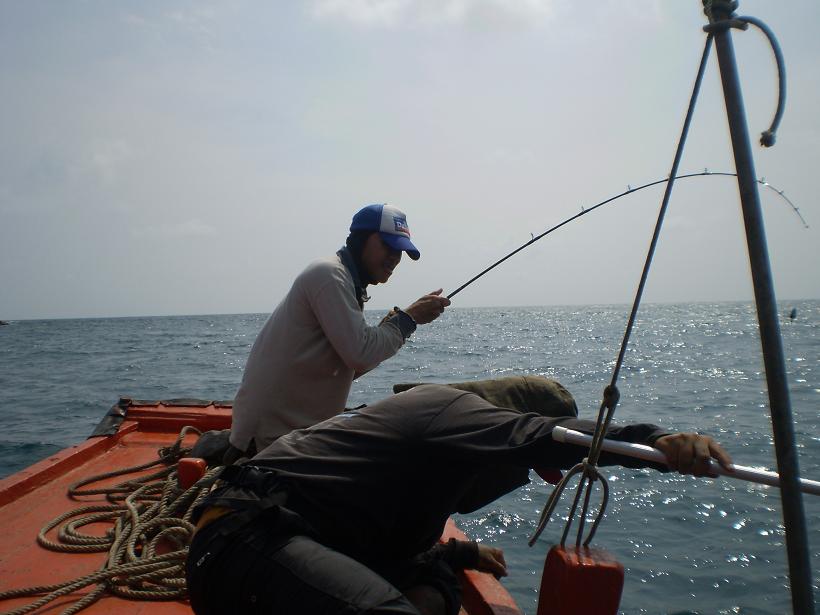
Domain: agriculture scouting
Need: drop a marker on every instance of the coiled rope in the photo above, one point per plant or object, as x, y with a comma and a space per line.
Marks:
149, 513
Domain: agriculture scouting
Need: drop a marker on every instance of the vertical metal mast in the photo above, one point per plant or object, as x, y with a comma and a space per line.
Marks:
721, 16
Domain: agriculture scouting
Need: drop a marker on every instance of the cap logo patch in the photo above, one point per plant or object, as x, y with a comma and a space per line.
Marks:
401, 225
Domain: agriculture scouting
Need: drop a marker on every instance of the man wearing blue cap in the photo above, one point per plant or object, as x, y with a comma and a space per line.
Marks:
315, 343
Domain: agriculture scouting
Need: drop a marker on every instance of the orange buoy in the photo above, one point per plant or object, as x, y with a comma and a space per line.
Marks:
580, 581
190, 470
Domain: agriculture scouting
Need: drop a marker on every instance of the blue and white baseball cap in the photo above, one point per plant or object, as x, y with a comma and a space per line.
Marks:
390, 223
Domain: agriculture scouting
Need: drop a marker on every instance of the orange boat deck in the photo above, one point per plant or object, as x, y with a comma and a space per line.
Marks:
37, 495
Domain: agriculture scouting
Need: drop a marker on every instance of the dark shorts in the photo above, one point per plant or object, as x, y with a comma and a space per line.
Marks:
266, 567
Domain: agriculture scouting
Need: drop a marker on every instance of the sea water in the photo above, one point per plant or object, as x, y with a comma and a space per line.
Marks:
688, 545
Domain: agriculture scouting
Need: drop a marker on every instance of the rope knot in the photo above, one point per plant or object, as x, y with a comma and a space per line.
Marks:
723, 8
590, 469
170, 454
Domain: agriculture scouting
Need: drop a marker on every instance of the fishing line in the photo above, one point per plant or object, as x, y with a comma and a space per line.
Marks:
629, 190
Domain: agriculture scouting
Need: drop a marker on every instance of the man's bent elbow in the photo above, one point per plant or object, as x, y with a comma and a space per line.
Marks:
359, 365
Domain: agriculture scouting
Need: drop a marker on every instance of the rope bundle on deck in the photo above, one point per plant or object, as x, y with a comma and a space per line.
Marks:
147, 544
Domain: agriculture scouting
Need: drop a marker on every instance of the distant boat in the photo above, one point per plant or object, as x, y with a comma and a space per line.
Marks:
793, 313
3, 322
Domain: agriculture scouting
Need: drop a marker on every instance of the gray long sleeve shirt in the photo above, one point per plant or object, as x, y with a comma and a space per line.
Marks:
303, 362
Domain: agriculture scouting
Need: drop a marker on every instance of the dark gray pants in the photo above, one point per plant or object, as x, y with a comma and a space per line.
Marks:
262, 568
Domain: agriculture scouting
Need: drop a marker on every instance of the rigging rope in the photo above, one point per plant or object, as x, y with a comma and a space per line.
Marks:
588, 468
149, 513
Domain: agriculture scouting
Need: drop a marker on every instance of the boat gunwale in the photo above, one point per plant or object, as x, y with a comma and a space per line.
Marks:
140, 416
25, 481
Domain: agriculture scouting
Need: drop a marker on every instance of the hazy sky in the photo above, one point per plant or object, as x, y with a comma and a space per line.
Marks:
192, 157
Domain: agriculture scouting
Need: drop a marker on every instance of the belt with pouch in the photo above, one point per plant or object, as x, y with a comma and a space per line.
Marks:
265, 484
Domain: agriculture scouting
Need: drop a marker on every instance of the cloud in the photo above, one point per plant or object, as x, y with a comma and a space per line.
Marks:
198, 24
199, 19
478, 13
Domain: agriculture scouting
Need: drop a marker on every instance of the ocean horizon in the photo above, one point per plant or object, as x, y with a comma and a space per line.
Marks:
785, 303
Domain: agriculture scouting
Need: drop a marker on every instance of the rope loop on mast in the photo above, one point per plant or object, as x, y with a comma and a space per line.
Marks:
721, 18
767, 137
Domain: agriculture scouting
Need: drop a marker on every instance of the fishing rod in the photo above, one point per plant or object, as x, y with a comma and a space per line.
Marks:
762, 181
647, 453
629, 190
